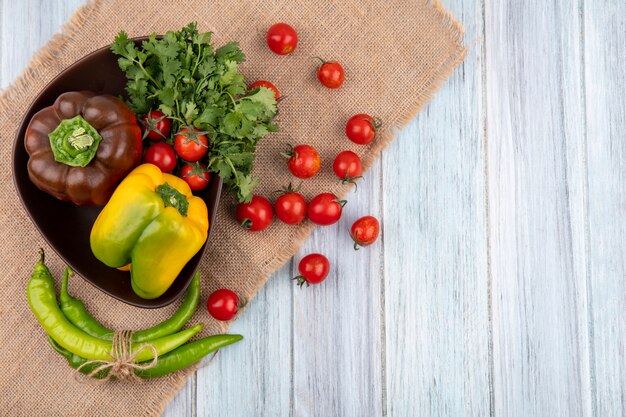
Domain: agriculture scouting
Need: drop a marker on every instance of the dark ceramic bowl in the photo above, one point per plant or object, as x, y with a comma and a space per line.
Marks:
66, 227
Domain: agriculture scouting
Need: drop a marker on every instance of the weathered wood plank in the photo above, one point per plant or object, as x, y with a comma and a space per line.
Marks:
605, 82
25, 27
184, 403
436, 275
536, 209
253, 377
337, 324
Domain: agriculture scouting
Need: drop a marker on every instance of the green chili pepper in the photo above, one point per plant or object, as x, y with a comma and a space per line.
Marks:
176, 321
77, 313
76, 361
43, 303
188, 354
178, 359
79, 316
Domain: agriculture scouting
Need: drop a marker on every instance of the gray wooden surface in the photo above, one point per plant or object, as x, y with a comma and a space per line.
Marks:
499, 288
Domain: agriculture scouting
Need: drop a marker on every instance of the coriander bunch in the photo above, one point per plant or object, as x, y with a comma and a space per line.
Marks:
198, 86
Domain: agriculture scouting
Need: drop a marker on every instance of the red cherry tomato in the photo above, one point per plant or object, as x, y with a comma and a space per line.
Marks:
196, 175
325, 209
155, 125
291, 206
314, 268
190, 145
282, 38
223, 304
364, 231
304, 161
347, 166
162, 155
255, 215
361, 128
266, 84
330, 74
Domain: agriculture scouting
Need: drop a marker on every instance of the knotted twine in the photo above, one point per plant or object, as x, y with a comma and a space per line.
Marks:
122, 365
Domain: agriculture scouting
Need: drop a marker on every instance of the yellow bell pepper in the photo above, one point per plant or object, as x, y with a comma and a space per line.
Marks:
154, 223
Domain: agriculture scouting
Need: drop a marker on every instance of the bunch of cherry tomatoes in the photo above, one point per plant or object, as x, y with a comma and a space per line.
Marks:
189, 146
303, 161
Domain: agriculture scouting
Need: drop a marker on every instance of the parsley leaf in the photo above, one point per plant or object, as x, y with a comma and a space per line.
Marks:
182, 75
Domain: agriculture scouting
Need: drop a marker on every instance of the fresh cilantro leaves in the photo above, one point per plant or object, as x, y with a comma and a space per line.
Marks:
193, 84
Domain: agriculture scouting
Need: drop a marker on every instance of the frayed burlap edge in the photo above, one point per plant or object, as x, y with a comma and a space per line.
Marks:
58, 43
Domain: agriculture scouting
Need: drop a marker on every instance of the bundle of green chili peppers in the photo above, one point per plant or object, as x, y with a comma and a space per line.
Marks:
80, 338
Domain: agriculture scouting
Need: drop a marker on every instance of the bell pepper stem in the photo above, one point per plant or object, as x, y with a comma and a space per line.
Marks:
173, 198
74, 142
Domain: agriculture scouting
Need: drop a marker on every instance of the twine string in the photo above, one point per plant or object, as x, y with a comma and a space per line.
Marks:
122, 365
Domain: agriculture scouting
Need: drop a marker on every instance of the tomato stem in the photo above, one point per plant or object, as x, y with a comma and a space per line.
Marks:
351, 180
357, 243
301, 281
196, 169
322, 60
342, 203
375, 122
150, 125
192, 135
246, 223
290, 152
289, 189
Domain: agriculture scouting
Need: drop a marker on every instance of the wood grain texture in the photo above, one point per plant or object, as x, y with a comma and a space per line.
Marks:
605, 87
26, 26
499, 287
435, 251
536, 210
253, 377
337, 325
184, 403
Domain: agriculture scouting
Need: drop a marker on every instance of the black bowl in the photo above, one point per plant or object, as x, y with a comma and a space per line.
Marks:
65, 226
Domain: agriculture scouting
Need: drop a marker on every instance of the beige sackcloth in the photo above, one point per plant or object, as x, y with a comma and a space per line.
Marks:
395, 53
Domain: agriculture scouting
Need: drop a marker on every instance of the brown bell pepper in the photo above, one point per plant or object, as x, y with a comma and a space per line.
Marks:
82, 146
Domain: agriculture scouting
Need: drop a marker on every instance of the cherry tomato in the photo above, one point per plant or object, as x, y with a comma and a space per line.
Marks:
191, 145
325, 209
314, 268
282, 38
255, 215
291, 206
223, 304
364, 231
196, 175
304, 161
361, 128
330, 73
155, 125
266, 84
162, 155
347, 166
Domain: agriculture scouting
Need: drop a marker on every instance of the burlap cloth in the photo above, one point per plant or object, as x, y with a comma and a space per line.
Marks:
395, 53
